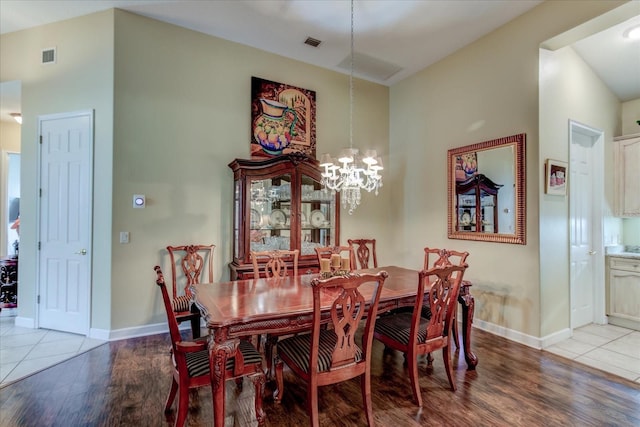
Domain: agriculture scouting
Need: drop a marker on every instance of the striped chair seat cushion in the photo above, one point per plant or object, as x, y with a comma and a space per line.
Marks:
198, 362
181, 303
426, 311
297, 348
398, 327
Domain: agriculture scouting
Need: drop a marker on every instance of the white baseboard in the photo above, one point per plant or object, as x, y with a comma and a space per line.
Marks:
25, 322
137, 331
556, 337
115, 334
624, 323
161, 328
510, 334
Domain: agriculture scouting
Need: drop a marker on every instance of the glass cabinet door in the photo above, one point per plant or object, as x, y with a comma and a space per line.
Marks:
270, 215
317, 216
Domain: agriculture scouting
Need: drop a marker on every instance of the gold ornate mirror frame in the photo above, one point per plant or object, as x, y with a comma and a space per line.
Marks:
513, 211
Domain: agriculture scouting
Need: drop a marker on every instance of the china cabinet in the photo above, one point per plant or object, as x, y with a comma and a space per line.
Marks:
279, 203
623, 292
627, 175
477, 204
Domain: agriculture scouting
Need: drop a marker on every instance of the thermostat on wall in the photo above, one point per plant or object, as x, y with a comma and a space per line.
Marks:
138, 201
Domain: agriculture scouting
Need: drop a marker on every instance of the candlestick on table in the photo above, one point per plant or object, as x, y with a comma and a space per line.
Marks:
325, 265
345, 265
335, 261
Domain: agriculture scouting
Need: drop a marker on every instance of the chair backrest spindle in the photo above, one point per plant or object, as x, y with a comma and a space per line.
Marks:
274, 263
365, 252
196, 265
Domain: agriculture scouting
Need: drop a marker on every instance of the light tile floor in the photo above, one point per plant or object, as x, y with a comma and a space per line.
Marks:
24, 351
606, 347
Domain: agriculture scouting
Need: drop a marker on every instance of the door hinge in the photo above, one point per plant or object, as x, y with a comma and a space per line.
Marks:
38, 245
38, 300
40, 139
40, 192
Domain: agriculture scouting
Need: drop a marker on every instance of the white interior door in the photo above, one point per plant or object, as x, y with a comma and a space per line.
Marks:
585, 221
64, 274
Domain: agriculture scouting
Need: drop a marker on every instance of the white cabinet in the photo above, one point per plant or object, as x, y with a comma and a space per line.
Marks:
627, 175
623, 292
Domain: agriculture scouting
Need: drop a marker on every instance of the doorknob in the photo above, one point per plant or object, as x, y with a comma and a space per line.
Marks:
592, 252
81, 252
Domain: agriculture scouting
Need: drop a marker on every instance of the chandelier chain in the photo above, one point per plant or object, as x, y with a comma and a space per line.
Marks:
352, 172
351, 84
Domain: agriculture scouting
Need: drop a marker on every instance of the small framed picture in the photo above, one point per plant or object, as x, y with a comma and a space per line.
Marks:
556, 177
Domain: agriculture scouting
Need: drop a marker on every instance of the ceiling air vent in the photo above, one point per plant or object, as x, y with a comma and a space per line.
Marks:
312, 42
49, 55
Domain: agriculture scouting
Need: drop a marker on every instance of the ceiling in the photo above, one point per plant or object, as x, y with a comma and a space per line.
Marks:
392, 39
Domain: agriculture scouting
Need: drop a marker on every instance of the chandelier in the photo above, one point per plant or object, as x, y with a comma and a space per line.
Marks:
351, 172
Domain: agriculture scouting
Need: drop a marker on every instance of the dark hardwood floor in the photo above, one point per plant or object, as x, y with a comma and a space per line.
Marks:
124, 383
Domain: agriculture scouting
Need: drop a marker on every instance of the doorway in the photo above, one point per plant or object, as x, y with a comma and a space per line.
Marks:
64, 209
11, 188
586, 154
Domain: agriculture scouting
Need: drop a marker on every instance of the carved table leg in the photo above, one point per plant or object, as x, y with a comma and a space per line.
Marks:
220, 349
270, 343
468, 305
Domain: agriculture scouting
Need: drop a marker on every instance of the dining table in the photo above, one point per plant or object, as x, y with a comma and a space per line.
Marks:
241, 308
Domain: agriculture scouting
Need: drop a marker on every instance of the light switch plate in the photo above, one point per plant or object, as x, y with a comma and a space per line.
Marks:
124, 237
139, 201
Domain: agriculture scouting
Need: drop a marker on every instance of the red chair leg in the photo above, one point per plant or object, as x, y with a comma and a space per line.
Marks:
365, 384
446, 356
183, 406
413, 376
312, 404
171, 396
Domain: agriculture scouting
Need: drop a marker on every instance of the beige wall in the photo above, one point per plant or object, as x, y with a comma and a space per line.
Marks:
9, 136
484, 91
82, 79
181, 116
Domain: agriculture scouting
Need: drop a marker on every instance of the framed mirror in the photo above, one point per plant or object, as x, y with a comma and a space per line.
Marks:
486, 191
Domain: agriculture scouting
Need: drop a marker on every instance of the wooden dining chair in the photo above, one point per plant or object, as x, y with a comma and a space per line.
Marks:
412, 334
365, 253
190, 264
276, 263
270, 264
434, 257
192, 365
331, 355
325, 252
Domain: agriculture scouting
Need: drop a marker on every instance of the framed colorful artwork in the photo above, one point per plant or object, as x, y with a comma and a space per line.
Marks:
466, 166
556, 177
283, 119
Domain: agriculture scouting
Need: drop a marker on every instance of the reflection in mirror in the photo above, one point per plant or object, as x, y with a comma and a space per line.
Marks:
486, 191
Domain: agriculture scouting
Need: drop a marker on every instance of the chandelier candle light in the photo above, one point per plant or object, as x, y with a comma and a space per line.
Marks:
352, 172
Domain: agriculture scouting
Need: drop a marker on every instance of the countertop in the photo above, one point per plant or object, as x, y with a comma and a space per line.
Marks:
622, 252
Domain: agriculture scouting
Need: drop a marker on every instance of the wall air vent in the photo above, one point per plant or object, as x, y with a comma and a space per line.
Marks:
49, 55
312, 42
